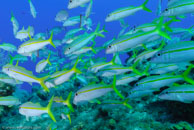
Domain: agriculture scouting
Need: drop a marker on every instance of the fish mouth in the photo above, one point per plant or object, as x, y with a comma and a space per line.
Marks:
107, 51
107, 20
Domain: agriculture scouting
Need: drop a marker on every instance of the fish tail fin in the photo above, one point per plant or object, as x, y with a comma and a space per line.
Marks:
48, 59
41, 81
126, 104
93, 50
49, 109
17, 63
51, 40
144, 6
186, 73
75, 67
97, 32
69, 117
159, 29
11, 59
146, 71
29, 33
103, 29
12, 16
67, 101
113, 61
190, 30
166, 25
162, 45
115, 89
134, 67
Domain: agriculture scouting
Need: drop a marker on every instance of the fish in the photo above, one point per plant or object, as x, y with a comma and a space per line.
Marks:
71, 21
61, 16
32, 9
20, 73
34, 45
115, 104
83, 40
182, 93
23, 34
175, 53
9, 101
29, 109
6, 79
167, 68
127, 78
131, 41
126, 11
133, 94
158, 81
8, 47
42, 64
183, 7
75, 3
15, 24
89, 9
65, 75
94, 91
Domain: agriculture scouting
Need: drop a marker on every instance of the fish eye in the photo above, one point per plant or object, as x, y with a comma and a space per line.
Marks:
109, 46
69, 48
76, 94
70, 1
166, 92
166, 9
136, 84
158, 54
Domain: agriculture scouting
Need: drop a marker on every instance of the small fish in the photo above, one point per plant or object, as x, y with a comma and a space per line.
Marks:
115, 104
6, 79
130, 41
34, 45
32, 9
133, 94
181, 8
158, 81
8, 47
29, 109
61, 16
63, 76
23, 34
71, 21
89, 9
124, 12
125, 79
15, 24
181, 93
83, 40
42, 64
94, 91
20, 73
175, 53
9, 101
75, 3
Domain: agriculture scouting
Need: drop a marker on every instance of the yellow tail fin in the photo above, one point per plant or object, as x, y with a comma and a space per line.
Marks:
51, 40
49, 109
41, 81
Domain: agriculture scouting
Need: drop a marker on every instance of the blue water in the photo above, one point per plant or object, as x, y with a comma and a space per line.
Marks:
47, 10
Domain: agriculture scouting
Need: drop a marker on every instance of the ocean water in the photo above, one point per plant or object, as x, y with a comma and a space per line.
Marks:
93, 103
